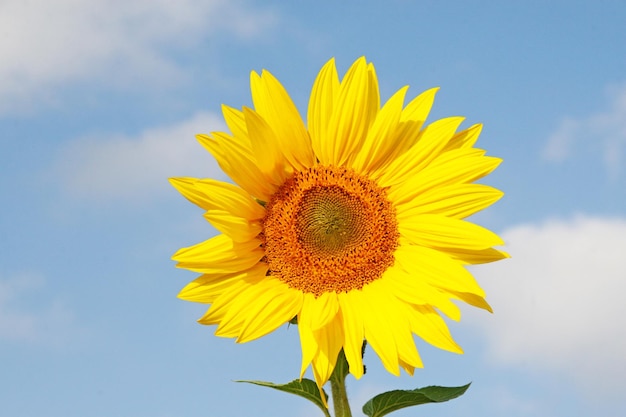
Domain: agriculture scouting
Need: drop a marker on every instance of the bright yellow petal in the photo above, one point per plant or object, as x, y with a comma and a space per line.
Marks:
412, 289
308, 344
408, 357
379, 330
208, 287
350, 119
236, 161
428, 146
253, 309
221, 311
236, 123
472, 299
225, 200
237, 228
412, 119
377, 145
454, 167
353, 331
457, 201
270, 304
437, 231
388, 329
219, 254
417, 110
186, 186
465, 139
437, 269
373, 93
409, 369
220, 195
427, 324
321, 105
329, 340
476, 257
317, 312
274, 105
266, 146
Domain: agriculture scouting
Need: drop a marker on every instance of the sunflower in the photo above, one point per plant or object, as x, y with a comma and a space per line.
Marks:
353, 224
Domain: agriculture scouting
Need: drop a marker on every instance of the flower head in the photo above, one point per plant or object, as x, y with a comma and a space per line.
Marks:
353, 223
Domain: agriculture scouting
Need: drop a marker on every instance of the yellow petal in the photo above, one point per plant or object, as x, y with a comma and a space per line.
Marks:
379, 330
237, 228
410, 369
226, 310
353, 331
208, 287
394, 312
437, 269
457, 201
427, 324
412, 119
350, 118
465, 139
217, 195
412, 289
270, 305
417, 110
321, 105
274, 105
476, 256
378, 142
454, 167
221, 311
267, 148
236, 161
219, 254
244, 308
185, 186
329, 340
427, 147
308, 344
373, 93
437, 231
472, 299
220, 195
317, 312
397, 345
235, 122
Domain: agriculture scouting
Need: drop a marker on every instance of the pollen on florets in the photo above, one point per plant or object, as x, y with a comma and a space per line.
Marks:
328, 229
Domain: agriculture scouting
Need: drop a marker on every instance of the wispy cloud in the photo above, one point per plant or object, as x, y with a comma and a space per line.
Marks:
137, 167
49, 324
559, 301
45, 43
603, 132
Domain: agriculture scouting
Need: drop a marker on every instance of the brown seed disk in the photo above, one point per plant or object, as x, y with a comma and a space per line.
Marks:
328, 229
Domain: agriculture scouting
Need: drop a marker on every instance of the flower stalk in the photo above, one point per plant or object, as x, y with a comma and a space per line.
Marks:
338, 387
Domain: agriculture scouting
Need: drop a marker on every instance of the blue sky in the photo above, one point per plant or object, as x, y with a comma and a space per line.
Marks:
99, 104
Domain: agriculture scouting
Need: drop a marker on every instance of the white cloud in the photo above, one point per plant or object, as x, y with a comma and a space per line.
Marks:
46, 43
21, 322
559, 302
107, 168
603, 131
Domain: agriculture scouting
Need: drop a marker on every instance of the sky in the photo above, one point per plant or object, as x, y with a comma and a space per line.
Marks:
99, 104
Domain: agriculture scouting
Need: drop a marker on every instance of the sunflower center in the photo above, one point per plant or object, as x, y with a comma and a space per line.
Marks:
329, 229
330, 221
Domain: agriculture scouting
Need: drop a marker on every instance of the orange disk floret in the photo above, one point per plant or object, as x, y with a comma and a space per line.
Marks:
328, 229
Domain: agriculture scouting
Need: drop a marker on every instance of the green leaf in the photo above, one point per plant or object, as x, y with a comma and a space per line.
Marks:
391, 401
305, 388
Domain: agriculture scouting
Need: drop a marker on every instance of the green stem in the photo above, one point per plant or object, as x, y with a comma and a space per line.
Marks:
338, 387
